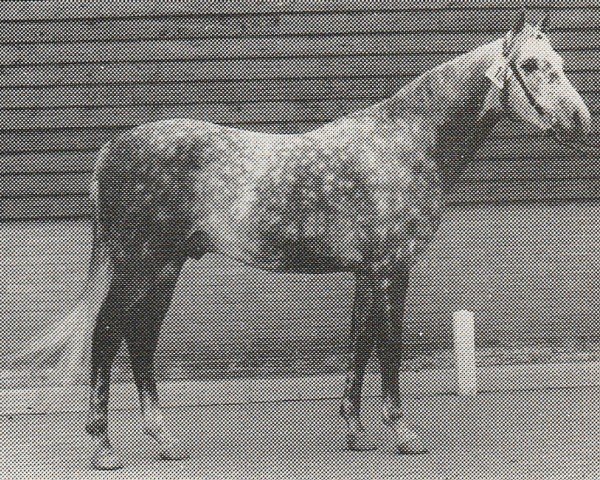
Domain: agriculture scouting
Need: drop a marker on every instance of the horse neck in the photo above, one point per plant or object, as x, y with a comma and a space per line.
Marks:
449, 100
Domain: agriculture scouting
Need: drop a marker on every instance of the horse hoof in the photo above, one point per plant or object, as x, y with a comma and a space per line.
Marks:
107, 461
410, 446
360, 442
406, 441
174, 451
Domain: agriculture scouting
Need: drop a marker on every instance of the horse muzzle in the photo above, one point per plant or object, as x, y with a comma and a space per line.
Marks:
573, 121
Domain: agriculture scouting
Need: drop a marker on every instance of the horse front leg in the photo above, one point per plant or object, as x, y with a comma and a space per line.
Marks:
362, 344
389, 302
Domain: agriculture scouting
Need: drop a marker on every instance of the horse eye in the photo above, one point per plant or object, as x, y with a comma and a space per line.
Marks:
530, 65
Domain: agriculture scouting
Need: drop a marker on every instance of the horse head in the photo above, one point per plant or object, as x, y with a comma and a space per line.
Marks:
531, 85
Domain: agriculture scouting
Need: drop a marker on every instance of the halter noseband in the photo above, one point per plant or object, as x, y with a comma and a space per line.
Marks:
530, 98
580, 147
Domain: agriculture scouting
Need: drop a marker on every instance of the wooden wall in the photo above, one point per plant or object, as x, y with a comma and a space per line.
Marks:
73, 74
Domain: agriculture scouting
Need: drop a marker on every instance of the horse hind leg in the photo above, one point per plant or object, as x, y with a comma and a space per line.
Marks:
106, 342
141, 336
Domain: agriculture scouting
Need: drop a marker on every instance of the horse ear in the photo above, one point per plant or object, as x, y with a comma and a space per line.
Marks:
517, 28
520, 22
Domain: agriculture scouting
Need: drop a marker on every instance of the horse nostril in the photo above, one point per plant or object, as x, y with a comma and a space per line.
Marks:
578, 121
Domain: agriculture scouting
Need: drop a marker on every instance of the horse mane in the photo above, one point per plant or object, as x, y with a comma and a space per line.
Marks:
437, 89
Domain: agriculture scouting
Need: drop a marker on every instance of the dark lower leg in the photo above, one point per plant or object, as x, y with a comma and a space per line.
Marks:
390, 301
105, 345
144, 324
362, 343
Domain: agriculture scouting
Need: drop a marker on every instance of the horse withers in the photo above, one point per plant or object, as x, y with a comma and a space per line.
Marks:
362, 194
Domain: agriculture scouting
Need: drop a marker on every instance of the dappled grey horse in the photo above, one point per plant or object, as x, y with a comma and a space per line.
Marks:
362, 194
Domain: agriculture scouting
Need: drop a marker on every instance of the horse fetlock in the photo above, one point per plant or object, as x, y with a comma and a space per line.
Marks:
106, 460
96, 426
404, 440
170, 446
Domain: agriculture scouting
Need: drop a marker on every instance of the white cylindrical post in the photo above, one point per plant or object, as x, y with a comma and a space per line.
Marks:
463, 326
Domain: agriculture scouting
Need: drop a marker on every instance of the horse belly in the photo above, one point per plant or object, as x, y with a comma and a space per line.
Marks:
281, 242
268, 227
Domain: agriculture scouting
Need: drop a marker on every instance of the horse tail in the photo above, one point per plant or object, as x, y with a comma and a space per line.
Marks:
67, 343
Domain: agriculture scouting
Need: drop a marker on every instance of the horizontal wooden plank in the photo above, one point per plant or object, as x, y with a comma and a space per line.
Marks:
527, 191
45, 207
315, 113
60, 161
245, 113
226, 113
325, 23
269, 47
225, 48
539, 168
78, 74
100, 9
92, 139
196, 92
247, 69
45, 184
521, 147
243, 91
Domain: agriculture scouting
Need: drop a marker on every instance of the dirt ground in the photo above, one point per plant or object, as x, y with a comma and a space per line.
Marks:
541, 434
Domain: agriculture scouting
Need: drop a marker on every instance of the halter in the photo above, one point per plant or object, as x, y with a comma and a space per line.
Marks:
530, 98
580, 147
509, 61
